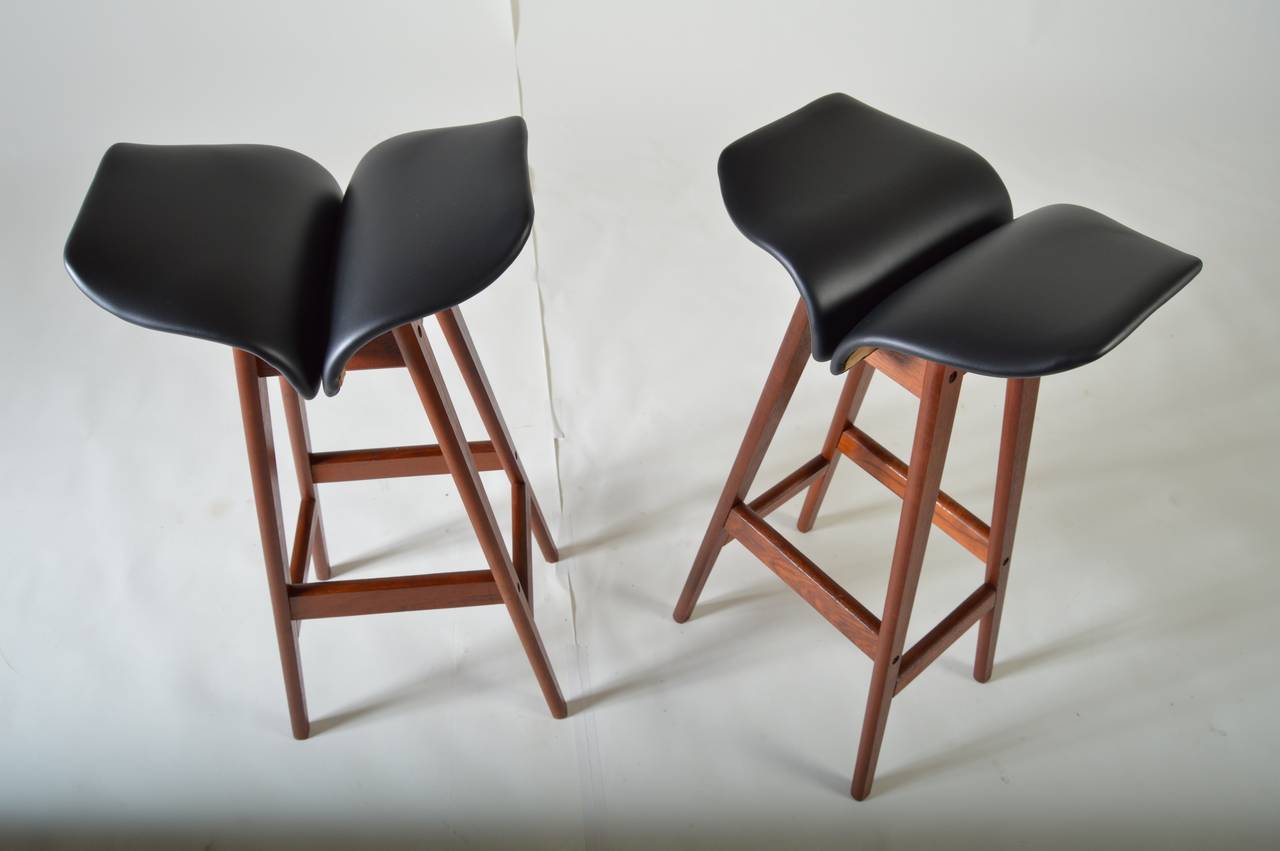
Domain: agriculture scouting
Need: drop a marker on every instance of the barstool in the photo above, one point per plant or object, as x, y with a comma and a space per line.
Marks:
258, 248
909, 263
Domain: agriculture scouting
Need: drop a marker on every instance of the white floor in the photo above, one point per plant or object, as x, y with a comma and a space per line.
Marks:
1136, 688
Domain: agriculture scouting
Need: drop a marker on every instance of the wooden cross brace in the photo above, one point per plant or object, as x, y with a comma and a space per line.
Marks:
508, 579
918, 484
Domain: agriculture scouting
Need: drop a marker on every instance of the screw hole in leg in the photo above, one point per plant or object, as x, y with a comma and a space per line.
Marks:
1005, 563
951, 378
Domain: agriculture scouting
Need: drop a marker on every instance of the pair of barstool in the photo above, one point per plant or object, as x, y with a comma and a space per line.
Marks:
902, 244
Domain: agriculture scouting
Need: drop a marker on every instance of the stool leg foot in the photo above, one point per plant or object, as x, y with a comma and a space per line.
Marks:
295, 415
425, 372
256, 416
938, 399
1011, 471
780, 385
458, 338
851, 396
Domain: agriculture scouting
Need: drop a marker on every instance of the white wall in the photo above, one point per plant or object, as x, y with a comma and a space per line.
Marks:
1135, 688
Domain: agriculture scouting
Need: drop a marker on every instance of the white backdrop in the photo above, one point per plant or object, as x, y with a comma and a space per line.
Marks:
1136, 686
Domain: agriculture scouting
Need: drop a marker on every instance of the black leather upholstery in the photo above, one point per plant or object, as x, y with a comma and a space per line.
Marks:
231, 243
899, 238
1055, 289
255, 246
854, 203
430, 219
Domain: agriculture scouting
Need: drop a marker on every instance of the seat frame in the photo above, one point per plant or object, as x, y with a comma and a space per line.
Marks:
508, 579
923, 505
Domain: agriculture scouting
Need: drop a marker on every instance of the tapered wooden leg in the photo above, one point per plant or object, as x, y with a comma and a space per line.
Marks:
256, 414
1015, 445
425, 371
924, 478
295, 415
781, 384
851, 396
459, 341
521, 539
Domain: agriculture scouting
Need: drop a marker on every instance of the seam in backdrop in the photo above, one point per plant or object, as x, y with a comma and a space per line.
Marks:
595, 807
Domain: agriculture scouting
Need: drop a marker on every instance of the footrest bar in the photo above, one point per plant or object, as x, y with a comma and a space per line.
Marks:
818, 589
942, 636
342, 597
948, 515
788, 487
351, 465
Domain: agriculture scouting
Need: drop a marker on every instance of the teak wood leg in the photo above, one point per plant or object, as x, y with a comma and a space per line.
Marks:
507, 580
1011, 471
295, 415
522, 539
924, 505
928, 453
463, 348
256, 414
789, 364
425, 372
851, 396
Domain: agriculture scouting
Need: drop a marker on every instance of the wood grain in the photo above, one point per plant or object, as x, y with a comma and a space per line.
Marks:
853, 392
819, 590
295, 417
303, 535
906, 370
425, 372
938, 399
788, 365
345, 597
255, 413
936, 641
522, 539
389, 462
948, 515
924, 505
509, 578
1011, 472
791, 485
458, 338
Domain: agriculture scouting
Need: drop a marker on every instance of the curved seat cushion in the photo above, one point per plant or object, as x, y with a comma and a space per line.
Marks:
256, 247
1057, 288
231, 243
430, 219
855, 203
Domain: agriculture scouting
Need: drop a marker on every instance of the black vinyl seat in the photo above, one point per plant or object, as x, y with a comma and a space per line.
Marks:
256, 247
899, 238
1053, 290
